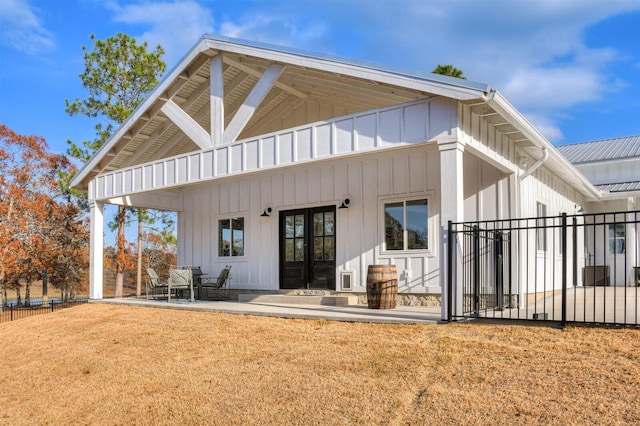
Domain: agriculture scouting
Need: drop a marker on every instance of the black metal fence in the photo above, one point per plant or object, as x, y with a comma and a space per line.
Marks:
568, 269
14, 312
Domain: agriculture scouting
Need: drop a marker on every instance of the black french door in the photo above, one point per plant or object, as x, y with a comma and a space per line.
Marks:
308, 248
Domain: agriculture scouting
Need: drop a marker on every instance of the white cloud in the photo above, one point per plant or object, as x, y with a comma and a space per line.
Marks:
273, 29
21, 29
175, 25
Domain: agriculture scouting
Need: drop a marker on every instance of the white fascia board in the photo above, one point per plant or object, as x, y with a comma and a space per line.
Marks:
166, 82
515, 118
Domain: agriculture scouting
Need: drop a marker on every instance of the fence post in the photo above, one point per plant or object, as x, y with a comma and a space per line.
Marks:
11, 310
563, 231
449, 270
498, 268
476, 270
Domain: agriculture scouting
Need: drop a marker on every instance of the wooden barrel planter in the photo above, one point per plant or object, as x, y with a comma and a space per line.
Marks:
382, 286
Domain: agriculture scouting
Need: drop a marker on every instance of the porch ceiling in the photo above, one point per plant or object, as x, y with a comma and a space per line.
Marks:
298, 92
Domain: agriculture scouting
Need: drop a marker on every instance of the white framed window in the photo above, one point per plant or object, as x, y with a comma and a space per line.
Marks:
231, 237
541, 226
406, 225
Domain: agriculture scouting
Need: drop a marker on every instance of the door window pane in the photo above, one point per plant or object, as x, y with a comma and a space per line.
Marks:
288, 251
329, 248
299, 253
318, 224
289, 227
318, 248
329, 223
299, 226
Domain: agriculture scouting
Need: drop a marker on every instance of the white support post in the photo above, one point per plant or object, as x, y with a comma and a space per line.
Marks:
217, 99
96, 245
451, 209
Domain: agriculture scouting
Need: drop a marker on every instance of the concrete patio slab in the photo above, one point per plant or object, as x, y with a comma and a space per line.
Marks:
357, 313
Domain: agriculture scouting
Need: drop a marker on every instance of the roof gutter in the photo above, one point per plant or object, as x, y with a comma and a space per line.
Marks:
536, 165
503, 107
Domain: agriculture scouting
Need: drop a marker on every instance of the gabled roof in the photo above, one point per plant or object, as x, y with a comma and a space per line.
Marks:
328, 86
602, 150
333, 86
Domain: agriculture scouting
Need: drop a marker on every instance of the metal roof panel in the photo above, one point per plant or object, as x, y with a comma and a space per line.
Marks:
602, 150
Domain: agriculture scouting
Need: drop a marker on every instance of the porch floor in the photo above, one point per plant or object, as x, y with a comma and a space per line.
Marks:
353, 313
599, 305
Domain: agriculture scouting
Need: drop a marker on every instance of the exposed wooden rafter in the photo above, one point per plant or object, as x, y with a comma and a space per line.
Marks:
257, 74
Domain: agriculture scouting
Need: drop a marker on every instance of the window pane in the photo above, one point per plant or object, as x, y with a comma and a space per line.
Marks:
329, 223
237, 230
318, 224
289, 226
288, 251
224, 239
417, 220
394, 226
328, 248
299, 225
541, 231
299, 254
616, 239
318, 246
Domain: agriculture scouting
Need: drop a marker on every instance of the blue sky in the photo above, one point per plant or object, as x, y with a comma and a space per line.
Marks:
571, 67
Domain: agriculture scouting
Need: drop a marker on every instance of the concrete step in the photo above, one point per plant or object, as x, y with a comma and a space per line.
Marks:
288, 299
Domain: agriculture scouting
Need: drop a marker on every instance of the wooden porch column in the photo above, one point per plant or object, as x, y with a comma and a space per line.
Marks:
96, 245
451, 209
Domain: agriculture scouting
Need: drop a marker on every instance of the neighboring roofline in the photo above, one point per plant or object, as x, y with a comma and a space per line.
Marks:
600, 141
500, 104
437, 84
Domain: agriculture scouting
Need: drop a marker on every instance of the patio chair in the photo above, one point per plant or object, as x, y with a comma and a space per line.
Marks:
220, 282
153, 282
180, 280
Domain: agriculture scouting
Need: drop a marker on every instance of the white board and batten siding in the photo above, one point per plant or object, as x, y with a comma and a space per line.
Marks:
485, 139
368, 180
543, 271
393, 126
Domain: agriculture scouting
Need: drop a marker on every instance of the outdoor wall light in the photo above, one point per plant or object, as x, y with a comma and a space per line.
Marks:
345, 204
266, 212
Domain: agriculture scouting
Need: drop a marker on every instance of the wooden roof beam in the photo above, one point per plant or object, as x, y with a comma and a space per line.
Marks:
251, 103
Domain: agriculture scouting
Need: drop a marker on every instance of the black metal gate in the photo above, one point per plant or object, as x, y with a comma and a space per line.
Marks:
487, 270
565, 269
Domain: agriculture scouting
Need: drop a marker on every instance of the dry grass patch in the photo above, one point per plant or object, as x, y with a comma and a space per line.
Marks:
100, 364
